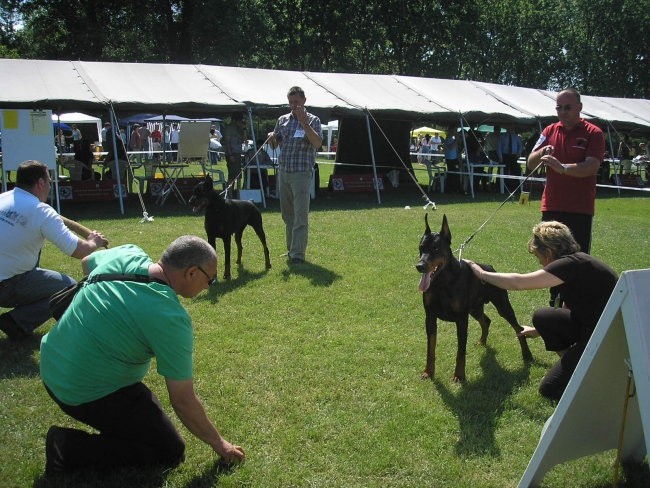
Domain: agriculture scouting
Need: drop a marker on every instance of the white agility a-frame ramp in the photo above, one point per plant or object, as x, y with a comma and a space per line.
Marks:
590, 414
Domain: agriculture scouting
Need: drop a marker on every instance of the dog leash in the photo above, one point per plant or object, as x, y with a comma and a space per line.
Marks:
468, 240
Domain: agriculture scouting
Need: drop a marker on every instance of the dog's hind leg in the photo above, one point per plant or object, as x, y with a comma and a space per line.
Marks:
240, 248
484, 321
259, 230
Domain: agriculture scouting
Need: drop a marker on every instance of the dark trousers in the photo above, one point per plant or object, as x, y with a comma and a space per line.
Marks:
453, 180
559, 333
133, 431
512, 165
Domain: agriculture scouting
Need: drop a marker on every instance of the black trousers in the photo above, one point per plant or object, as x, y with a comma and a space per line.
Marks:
578, 224
133, 431
559, 333
512, 164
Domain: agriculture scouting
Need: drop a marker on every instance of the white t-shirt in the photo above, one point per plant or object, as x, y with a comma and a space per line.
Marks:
25, 223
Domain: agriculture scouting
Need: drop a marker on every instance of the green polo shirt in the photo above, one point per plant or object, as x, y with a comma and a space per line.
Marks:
112, 329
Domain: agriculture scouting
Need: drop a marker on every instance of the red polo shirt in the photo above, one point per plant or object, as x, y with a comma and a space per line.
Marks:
564, 193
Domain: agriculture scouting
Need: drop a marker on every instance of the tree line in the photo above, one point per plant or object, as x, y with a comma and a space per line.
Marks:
600, 47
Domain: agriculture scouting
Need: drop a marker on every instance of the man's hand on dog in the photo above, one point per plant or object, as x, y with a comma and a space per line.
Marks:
529, 332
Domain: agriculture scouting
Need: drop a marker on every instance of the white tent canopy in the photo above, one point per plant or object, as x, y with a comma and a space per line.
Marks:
201, 89
79, 118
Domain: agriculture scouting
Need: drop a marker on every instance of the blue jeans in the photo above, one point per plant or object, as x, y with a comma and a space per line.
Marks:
29, 295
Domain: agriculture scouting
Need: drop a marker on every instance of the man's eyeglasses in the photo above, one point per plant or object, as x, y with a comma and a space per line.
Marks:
211, 281
566, 107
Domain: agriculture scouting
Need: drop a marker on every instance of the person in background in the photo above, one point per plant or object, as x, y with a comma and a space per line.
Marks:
572, 150
93, 362
145, 140
216, 134
299, 136
104, 135
25, 222
167, 146
585, 285
60, 141
86, 158
233, 140
511, 148
450, 148
493, 145
435, 143
76, 137
214, 146
135, 143
175, 138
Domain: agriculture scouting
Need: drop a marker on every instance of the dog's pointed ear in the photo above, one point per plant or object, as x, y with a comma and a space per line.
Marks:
208, 181
444, 229
427, 229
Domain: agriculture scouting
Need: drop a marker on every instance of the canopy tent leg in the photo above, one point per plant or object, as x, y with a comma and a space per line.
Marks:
113, 118
372, 156
257, 159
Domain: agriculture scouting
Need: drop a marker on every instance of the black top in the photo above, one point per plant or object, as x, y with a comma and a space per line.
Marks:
588, 284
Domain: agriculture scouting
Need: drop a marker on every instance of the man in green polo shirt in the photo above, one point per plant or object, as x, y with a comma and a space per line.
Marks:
94, 359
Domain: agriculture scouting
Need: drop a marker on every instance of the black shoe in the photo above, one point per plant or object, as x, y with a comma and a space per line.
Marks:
10, 327
53, 460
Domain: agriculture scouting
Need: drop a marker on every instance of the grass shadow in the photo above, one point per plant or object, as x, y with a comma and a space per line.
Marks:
124, 478
479, 404
17, 357
211, 477
318, 275
225, 286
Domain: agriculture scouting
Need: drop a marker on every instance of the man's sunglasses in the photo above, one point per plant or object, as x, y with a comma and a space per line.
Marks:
211, 281
566, 107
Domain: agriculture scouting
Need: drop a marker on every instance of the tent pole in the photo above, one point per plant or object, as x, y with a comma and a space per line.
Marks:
164, 145
257, 159
611, 151
467, 165
56, 168
113, 117
372, 156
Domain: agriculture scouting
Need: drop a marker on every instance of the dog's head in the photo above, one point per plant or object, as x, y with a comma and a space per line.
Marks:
435, 253
201, 195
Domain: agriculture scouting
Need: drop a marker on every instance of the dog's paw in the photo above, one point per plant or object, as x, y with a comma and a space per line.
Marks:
426, 375
458, 378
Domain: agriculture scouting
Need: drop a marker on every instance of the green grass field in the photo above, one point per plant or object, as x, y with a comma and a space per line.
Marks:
315, 370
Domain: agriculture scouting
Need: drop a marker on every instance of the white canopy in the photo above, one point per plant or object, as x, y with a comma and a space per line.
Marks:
201, 89
79, 118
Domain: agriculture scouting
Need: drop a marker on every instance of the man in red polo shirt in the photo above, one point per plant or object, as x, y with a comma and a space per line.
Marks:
572, 150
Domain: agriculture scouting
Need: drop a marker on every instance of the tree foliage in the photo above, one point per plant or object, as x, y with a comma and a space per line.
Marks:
599, 46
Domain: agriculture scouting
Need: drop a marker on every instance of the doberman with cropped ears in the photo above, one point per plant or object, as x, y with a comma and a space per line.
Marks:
451, 292
225, 217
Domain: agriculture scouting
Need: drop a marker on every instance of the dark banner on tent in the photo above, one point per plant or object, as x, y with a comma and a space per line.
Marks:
353, 152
